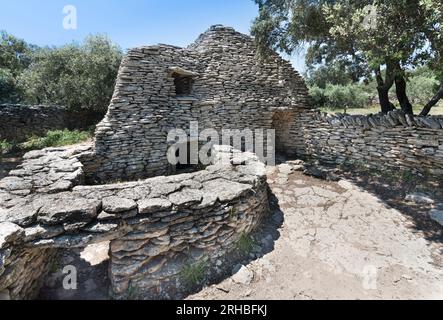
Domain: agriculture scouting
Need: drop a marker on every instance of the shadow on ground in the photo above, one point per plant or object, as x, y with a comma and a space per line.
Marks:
93, 281
262, 242
391, 187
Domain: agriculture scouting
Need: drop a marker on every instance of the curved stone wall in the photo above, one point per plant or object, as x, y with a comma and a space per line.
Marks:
156, 226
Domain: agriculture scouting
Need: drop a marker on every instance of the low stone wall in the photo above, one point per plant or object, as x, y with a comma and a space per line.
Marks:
22, 270
18, 122
395, 140
156, 226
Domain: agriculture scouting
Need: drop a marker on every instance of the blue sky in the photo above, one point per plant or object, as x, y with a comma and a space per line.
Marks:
129, 23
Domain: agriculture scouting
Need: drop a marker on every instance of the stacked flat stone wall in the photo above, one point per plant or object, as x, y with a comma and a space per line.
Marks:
396, 140
156, 226
19, 122
22, 270
232, 89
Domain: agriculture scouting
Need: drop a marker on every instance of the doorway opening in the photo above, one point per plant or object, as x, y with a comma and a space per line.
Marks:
282, 123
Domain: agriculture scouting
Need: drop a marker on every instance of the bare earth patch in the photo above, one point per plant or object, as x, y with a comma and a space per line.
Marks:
339, 241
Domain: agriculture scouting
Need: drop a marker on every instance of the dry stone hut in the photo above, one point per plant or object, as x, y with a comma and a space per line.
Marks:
218, 81
159, 225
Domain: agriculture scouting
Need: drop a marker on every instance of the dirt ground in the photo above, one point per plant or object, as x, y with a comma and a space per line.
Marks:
355, 238
339, 241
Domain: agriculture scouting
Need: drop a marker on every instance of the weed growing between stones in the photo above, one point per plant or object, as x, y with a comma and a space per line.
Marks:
407, 176
132, 293
233, 214
5, 146
245, 244
193, 274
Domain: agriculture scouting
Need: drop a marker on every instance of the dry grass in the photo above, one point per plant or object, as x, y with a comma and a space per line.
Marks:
436, 111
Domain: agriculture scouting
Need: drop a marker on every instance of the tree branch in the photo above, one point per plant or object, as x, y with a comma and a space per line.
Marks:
435, 99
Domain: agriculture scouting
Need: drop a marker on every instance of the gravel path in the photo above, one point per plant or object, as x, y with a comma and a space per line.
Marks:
336, 242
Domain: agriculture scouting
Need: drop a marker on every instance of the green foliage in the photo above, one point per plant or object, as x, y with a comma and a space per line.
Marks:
132, 293
193, 274
76, 76
407, 176
366, 36
8, 90
422, 84
245, 244
334, 73
5, 146
338, 96
14, 53
318, 96
422, 87
14, 58
57, 138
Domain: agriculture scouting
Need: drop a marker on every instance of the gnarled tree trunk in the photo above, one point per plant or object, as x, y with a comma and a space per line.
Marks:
400, 84
383, 87
435, 99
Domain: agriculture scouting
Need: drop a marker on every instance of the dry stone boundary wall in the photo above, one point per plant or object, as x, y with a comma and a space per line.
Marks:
19, 122
395, 140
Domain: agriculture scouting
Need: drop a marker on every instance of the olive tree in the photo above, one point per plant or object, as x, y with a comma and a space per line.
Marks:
372, 37
75, 75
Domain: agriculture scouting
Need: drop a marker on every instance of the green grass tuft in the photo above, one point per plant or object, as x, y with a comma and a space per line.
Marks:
194, 274
245, 244
5, 146
57, 138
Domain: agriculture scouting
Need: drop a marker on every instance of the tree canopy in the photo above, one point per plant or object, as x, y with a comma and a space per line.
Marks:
368, 38
75, 75
14, 58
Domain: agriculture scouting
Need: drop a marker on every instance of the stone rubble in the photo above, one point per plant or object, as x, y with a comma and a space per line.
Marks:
419, 198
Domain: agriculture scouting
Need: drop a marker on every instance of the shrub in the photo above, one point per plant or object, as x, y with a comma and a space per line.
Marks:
8, 91
318, 96
75, 76
339, 97
422, 88
5, 146
245, 244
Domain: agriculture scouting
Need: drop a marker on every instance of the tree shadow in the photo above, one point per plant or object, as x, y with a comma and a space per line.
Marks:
263, 238
391, 188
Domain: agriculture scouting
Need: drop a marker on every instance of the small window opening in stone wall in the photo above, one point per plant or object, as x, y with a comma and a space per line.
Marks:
183, 80
183, 84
